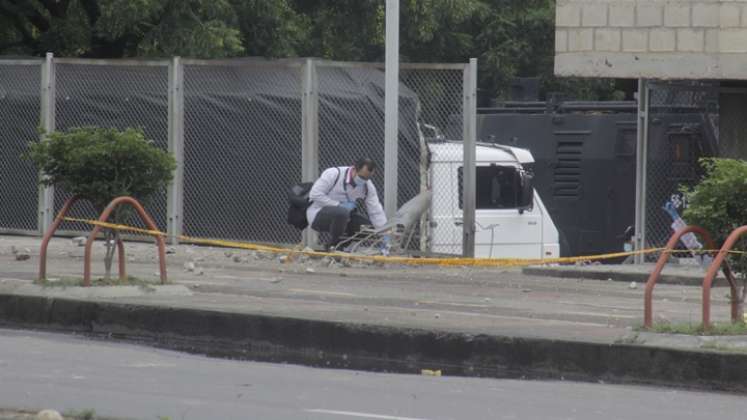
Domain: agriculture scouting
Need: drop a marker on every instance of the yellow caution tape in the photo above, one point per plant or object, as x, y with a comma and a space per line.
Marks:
455, 261
430, 372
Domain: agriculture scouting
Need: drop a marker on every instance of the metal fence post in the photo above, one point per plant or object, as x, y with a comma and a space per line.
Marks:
175, 193
469, 130
391, 108
640, 174
47, 123
309, 132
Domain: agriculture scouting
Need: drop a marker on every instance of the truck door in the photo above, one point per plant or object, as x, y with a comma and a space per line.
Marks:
501, 230
446, 230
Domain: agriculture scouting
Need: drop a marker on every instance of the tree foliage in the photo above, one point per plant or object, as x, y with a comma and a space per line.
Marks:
509, 38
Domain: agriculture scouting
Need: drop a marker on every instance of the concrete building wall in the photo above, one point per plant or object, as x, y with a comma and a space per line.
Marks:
662, 39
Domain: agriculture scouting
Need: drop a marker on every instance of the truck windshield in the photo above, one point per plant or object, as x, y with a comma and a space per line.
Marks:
497, 187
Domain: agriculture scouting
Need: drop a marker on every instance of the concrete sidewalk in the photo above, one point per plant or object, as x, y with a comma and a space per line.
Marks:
464, 321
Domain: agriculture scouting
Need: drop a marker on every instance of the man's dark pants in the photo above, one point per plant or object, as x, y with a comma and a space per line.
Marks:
337, 220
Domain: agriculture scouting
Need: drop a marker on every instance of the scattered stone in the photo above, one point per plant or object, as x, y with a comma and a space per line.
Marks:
170, 250
79, 240
609, 278
200, 272
228, 254
346, 263
189, 266
276, 280
237, 258
437, 316
633, 285
22, 257
27, 250
13, 250
283, 259
131, 259
487, 299
310, 270
48, 415
308, 250
526, 290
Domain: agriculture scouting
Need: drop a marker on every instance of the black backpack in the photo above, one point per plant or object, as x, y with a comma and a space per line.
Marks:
298, 200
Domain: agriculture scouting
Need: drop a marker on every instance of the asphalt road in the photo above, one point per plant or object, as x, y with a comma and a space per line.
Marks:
42, 370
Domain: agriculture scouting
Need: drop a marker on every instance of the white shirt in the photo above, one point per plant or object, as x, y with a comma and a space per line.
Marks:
327, 192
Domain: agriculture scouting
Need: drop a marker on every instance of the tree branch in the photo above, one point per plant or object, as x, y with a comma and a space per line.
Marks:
26, 35
24, 9
5, 46
92, 10
57, 8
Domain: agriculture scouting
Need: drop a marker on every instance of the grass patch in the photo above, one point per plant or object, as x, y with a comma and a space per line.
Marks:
115, 281
718, 328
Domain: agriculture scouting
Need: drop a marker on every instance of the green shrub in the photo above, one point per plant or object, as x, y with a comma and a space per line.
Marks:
718, 203
100, 164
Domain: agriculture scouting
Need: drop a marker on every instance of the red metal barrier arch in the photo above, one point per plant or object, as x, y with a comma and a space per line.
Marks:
53, 229
711, 274
663, 258
96, 229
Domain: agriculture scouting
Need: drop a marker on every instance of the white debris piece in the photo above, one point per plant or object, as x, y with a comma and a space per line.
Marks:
48, 415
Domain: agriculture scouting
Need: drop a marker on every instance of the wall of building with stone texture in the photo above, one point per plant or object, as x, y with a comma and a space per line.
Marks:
662, 39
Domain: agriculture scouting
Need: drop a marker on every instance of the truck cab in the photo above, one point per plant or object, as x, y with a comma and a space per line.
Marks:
511, 220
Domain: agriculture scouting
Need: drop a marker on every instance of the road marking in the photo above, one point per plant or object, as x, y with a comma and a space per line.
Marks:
321, 292
356, 414
469, 305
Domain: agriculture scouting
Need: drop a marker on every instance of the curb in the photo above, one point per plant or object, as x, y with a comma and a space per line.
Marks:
604, 274
376, 348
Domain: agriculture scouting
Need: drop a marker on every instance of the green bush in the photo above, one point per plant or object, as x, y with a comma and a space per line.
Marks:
718, 203
100, 164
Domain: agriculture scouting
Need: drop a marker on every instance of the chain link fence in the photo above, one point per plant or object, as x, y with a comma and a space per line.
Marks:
242, 149
118, 95
430, 96
683, 126
242, 132
20, 104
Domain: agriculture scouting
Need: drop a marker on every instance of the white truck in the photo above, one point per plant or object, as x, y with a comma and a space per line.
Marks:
511, 220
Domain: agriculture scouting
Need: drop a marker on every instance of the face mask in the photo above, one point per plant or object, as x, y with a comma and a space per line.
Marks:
358, 180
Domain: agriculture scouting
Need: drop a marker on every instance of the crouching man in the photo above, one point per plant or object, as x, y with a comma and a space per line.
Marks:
334, 201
